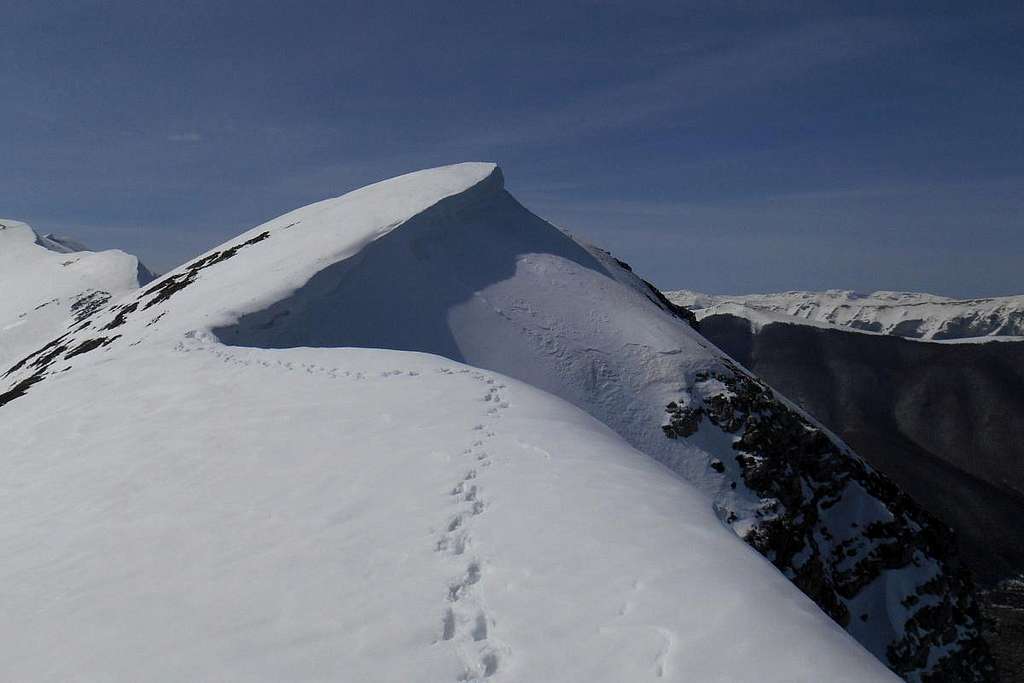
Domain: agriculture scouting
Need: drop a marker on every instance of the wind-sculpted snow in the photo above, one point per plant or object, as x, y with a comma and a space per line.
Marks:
446, 262
901, 314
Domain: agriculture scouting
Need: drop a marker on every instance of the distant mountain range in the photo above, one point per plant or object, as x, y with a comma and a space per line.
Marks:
901, 314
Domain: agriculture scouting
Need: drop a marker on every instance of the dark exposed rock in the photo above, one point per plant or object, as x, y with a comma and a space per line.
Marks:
45, 350
799, 474
682, 421
122, 316
85, 309
18, 389
882, 395
87, 304
90, 345
1003, 608
168, 287
44, 360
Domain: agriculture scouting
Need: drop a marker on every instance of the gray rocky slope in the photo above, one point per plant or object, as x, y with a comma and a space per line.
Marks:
944, 421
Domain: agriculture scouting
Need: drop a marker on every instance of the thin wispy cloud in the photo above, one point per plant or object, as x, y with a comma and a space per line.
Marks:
700, 80
185, 137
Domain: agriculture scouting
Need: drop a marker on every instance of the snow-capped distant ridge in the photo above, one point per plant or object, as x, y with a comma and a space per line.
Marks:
16, 232
51, 279
60, 243
913, 315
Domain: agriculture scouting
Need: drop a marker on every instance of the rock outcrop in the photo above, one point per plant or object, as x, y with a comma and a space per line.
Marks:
941, 420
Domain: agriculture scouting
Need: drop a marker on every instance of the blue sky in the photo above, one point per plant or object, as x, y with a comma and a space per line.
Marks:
718, 146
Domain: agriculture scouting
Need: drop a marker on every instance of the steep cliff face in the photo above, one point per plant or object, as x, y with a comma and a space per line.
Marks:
942, 420
808, 524
448, 263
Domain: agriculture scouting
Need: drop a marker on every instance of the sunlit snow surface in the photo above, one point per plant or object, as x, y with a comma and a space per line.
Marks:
207, 513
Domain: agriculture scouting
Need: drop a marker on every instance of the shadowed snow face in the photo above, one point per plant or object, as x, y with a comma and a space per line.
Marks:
410, 289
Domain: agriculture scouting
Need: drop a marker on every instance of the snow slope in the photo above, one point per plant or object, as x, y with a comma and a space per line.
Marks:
367, 516
902, 314
446, 262
48, 279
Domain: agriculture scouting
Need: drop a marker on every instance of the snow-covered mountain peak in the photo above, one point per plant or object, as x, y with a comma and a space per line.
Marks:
446, 262
216, 288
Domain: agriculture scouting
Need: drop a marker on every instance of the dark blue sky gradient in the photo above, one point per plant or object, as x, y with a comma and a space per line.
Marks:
717, 146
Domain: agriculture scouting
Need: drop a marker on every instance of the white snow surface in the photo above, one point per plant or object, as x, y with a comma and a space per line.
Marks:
903, 314
177, 506
368, 515
42, 278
